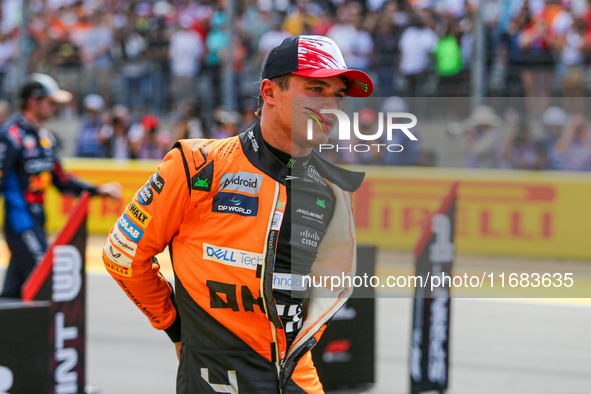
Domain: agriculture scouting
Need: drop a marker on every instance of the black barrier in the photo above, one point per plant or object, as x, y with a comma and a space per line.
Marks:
61, 278
345, 354
24, 329
434, 254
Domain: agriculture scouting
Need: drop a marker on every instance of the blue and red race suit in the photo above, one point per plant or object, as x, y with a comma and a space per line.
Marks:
29, 162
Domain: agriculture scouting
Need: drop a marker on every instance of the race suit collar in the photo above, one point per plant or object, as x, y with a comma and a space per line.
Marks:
261, 157
25, 124
347, 180
297, 164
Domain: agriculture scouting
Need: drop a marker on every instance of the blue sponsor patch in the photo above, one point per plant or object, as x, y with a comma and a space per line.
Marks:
128, 228
235, 203
145, 195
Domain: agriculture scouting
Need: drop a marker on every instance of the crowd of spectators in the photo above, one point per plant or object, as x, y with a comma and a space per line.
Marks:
116, 133
133, 63
488, 140
565, 142
155, 54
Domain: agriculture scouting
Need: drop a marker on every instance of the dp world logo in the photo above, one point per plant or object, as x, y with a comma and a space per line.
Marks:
235, 200
394, 121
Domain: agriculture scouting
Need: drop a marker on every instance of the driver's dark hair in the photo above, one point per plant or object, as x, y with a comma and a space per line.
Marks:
282, 81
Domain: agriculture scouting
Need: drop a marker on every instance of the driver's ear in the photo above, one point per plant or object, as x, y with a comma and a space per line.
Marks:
268, 89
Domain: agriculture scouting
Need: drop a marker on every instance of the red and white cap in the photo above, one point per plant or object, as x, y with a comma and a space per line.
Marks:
314, 57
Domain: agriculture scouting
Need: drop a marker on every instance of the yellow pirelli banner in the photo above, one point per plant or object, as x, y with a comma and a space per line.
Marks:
103, 212
499, 212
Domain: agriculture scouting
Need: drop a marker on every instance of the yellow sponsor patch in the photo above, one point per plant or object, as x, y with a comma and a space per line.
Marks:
139, 215
118, 269
45, 142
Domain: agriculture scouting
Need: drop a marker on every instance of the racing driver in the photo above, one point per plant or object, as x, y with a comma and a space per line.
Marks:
29, 163
245, 219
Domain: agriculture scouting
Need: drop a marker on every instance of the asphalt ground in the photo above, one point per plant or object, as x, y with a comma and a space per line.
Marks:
497, 345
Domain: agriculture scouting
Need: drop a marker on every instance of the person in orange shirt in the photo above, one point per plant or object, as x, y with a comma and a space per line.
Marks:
247, 219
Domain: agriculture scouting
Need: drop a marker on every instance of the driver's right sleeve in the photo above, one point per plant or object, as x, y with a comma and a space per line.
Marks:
145, 228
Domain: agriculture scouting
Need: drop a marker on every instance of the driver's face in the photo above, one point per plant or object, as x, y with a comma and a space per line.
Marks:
45, 108
315, 94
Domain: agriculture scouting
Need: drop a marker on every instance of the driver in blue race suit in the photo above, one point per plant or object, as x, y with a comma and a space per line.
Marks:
29, 162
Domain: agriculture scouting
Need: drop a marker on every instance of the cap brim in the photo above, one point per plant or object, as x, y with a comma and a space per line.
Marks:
61, 96
362, 84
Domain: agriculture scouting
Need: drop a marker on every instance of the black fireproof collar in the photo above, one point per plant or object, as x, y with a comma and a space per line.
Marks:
261, 157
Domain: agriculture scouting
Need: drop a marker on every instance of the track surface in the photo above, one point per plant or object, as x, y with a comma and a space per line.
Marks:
498, 346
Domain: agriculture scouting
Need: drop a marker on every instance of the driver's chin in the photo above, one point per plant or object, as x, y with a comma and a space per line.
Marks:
318, 140
305, 143
322, 137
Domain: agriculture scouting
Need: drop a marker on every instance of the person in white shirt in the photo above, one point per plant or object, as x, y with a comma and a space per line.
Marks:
185, 53
272, 38
356, 44
573, 46
416, 45
7, 53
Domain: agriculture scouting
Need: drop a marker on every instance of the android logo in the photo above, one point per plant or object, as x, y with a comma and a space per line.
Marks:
201, 183
320, 202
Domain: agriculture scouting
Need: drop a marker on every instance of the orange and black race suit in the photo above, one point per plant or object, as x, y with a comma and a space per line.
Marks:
219, 205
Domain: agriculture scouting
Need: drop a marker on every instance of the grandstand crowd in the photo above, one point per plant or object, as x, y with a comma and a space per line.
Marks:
130, 64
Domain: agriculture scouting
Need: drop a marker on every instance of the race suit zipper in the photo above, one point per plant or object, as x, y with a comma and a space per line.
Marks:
267, 283
292, 359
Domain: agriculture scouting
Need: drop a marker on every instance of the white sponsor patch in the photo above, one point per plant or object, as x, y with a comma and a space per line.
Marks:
314, 174
233, 257
242, 182
292, 282
119, 240
116, 256
277, 219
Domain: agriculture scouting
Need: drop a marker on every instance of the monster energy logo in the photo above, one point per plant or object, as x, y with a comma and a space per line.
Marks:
362, 86
290, 163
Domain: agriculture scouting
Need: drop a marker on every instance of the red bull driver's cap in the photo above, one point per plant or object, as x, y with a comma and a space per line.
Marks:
42, 85
314, 57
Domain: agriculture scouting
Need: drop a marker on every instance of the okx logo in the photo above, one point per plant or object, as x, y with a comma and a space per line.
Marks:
394, 122
238, 204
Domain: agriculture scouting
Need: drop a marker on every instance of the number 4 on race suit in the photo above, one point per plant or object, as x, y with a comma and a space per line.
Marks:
231, 388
